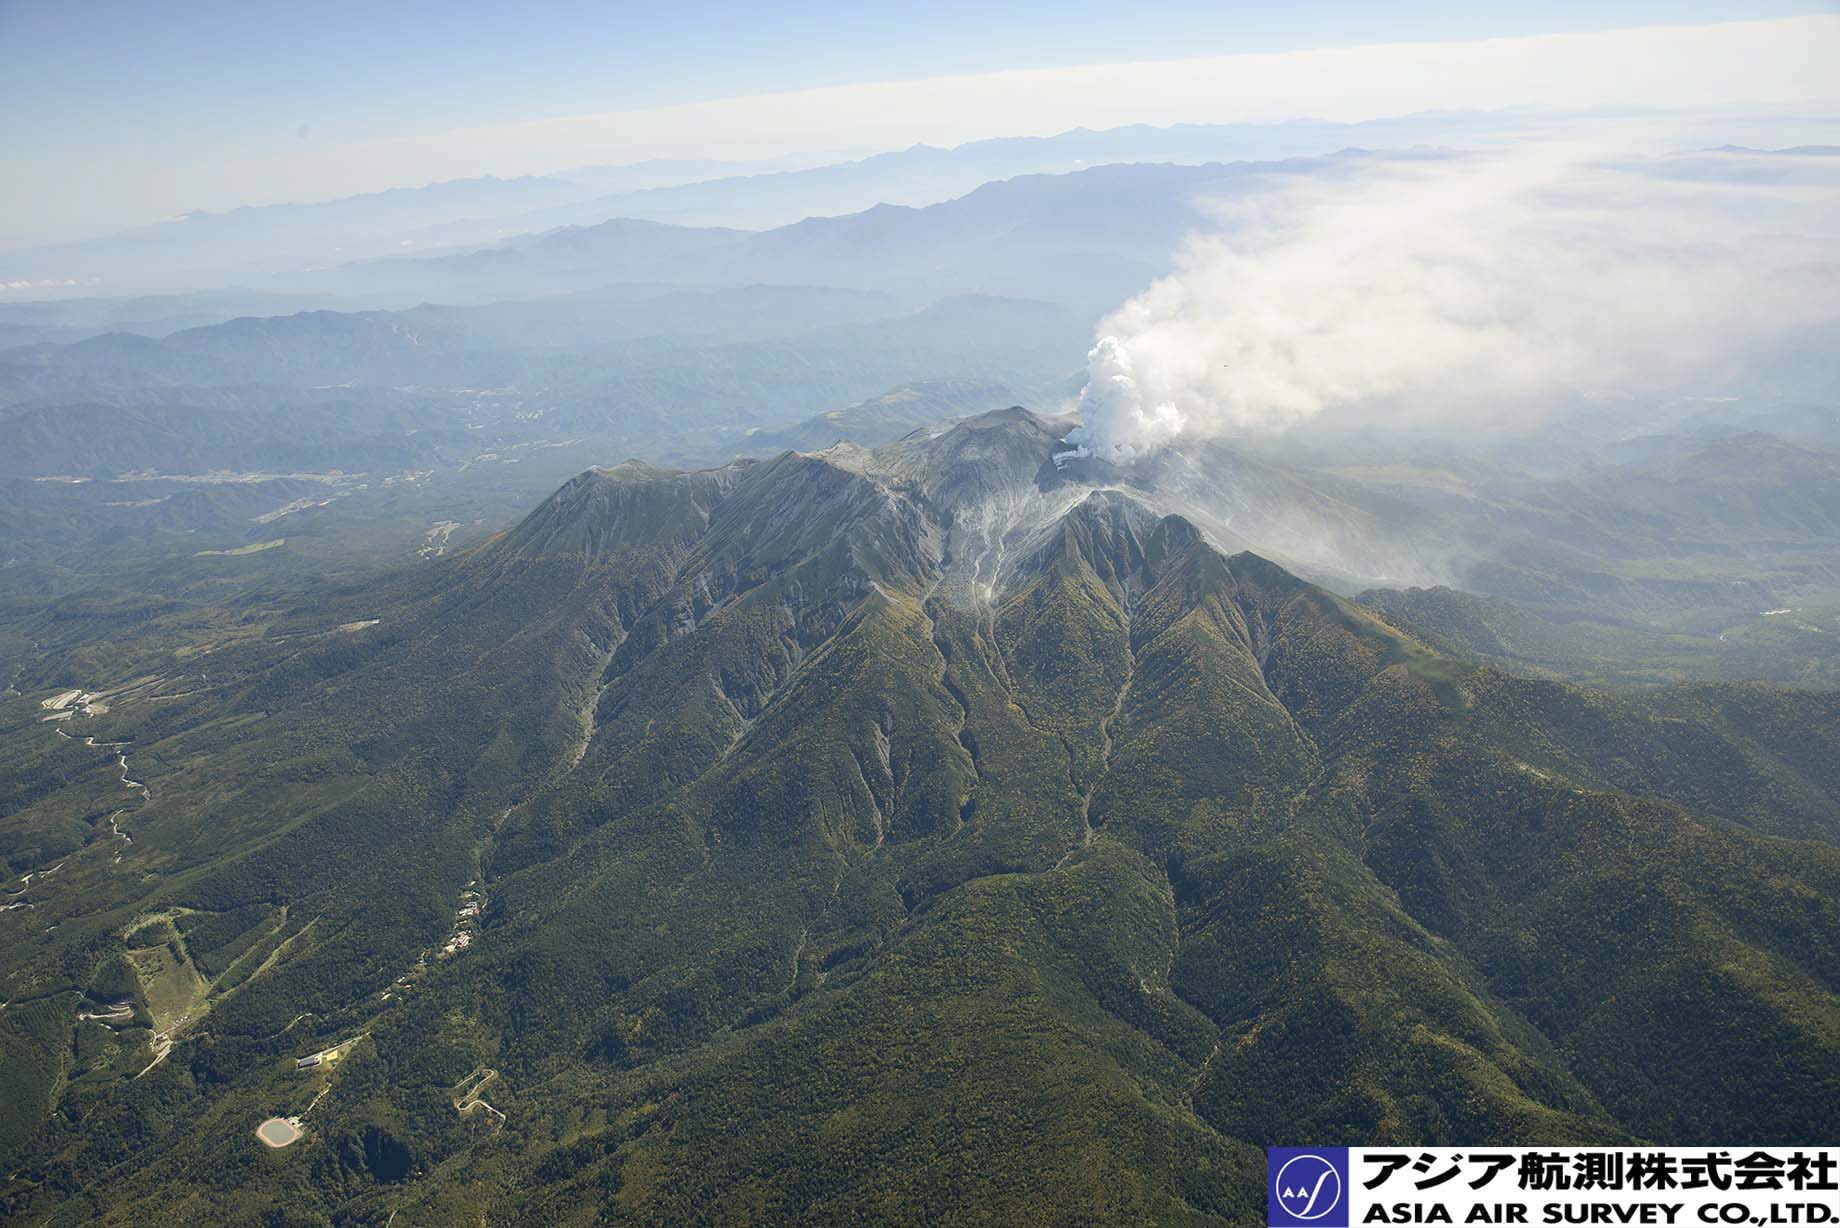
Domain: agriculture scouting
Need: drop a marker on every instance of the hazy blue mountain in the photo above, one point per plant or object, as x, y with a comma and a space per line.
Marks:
925, 174
1087, 240
1686, 538
68, 320
200, 250
103, 440
539, 265
883, 418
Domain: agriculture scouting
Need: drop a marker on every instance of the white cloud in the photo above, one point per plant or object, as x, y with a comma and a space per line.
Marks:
1471, 290
1786, 62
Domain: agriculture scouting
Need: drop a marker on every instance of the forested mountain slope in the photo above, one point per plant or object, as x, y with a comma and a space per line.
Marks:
924, 834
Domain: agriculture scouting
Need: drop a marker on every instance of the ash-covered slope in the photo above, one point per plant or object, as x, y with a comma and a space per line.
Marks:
920, 833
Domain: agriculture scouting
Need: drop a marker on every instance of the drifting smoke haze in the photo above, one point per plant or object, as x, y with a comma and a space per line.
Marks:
1476, 290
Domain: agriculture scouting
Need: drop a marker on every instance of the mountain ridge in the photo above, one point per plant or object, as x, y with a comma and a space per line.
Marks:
835, 807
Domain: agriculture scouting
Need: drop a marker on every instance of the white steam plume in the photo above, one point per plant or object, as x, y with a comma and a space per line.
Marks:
1470, 290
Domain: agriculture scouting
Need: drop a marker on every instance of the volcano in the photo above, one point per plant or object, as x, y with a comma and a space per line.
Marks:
926, 833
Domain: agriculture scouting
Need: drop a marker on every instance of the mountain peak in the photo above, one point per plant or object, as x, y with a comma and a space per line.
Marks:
632, 469
604, 512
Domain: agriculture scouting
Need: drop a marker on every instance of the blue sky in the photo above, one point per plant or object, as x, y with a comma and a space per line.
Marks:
109, 109
188, 72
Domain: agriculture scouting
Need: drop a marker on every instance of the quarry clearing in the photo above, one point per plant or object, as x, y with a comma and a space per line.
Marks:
239, 551
434, 543
298, 505
227, 477
119, 1011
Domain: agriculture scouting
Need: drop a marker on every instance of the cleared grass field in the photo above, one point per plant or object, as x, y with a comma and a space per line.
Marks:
173, 985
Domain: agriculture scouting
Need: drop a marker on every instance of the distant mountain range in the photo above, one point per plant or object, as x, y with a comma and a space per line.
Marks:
202, 250
924, 174
1087, 240
243, 246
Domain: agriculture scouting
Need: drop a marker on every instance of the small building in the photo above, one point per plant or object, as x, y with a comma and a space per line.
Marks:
312, 1059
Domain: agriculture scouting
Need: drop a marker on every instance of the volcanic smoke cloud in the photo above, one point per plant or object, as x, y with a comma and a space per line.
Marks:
1120, 426
1473, 291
